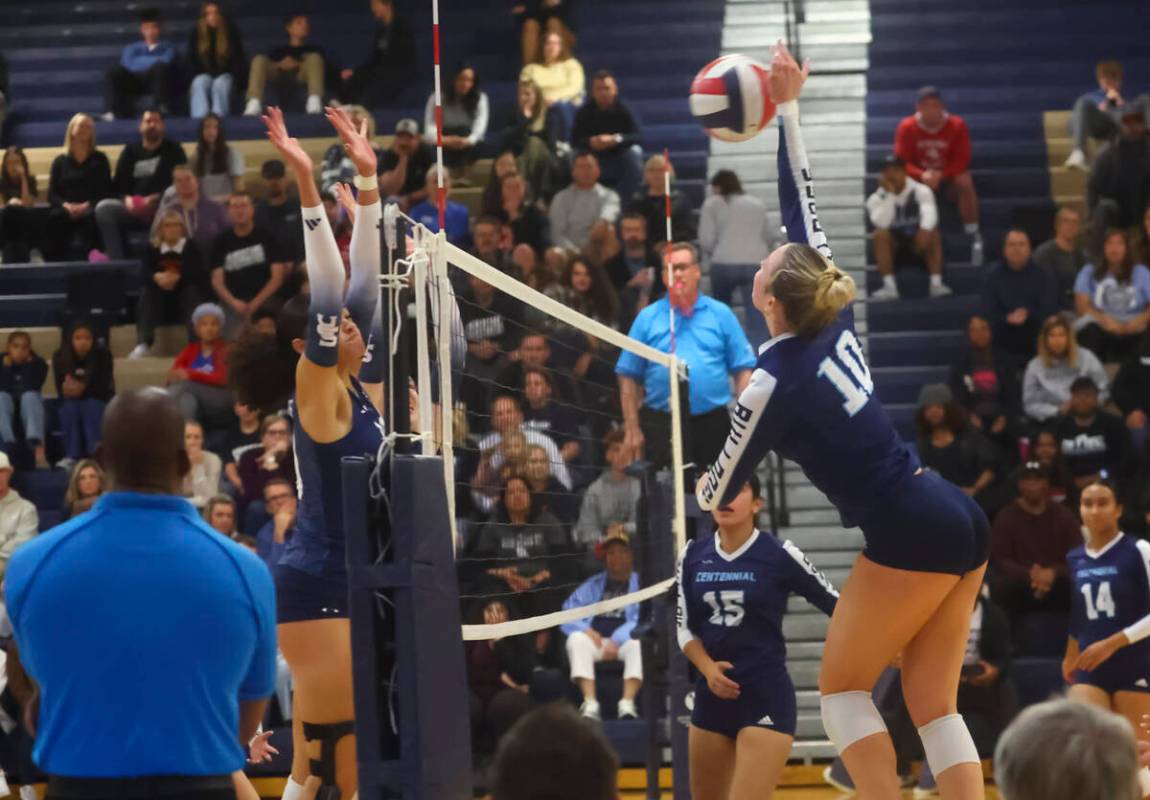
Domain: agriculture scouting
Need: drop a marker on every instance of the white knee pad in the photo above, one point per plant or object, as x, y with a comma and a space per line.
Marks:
947, 743
850, 716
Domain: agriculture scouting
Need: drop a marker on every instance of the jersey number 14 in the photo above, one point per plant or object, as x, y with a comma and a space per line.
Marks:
848, 373
1101, 603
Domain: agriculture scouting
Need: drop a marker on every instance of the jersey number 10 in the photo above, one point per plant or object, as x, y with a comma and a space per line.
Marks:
855, 387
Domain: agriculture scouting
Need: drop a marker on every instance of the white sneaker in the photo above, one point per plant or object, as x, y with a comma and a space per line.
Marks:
626, 710
66, 464
108, 116
1076, 160
885, 293
590, 710
314, 104
940, 290
254, 108
139, 351
977, 254
28, 793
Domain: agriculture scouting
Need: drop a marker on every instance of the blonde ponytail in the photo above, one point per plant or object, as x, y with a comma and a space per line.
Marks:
812, 290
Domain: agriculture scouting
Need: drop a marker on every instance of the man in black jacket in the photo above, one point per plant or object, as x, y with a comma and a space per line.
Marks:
1093, 440
1131, 392
143, 172
1017, 297
1119, 187
607, 128
390, 64
3, 94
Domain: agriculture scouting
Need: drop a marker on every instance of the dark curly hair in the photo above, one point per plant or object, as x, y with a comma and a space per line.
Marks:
261, 368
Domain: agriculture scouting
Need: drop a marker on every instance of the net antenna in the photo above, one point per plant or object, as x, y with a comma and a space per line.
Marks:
440, 191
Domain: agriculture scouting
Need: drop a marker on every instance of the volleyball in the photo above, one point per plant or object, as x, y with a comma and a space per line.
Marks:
730, 98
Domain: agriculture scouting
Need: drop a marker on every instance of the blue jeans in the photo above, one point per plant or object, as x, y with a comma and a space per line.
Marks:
80, 418
211, 94
725, 279
31, 415
622, 170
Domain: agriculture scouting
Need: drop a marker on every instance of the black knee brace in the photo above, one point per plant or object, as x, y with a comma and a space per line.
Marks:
328, 735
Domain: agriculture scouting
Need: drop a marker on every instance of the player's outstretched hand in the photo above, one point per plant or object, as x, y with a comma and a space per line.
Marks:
291, 150
356, 142
720, 685
787, 77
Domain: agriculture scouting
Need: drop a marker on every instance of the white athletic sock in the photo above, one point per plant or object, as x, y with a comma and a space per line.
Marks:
293, 790
888, 282
971, 228
936, 280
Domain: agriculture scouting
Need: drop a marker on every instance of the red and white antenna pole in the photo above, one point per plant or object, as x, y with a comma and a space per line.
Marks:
441, 192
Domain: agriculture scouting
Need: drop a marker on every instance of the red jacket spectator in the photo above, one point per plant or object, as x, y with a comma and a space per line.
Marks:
211, 369
945, 149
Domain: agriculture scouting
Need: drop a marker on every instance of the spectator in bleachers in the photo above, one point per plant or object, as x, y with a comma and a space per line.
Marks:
247, 267
20, 222
1049, 375
219, 166
403, 167
487, 243
956, 450
586, 210
529, 224
456, 217
216, 59
19, 521
198, 379
279, 210
1132, 393
734, 238
220, 514
146, 67
1017, 296
1112, 297
3, 89
607, 637
905, 219
465, 117
611, 502
1119, 187
1062, 257
559, 76
202, 482
636, 272
1045, 448
507, 418
337, 166
499, 675
85, 485
243, 435
531, 134
294, 62
492, 199
651, 201
22, 376
550, 495
389, 67
984, 383
143, 173
607, 128
1143, 238
716, 351
1098, 113
531, 538
491, 323
1032, 535
1093, 440
537, 17
272, 459
935, 146
533, 352
80, 178
173, 284
282, 504
83, 369
542, 413
203, 218
590, 291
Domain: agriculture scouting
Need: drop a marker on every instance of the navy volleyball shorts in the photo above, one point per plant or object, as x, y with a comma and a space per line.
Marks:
1118, 674
767, 702
302, 596
928, 525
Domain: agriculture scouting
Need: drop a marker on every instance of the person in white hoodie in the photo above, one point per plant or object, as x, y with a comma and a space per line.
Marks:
19, 521
1060, 361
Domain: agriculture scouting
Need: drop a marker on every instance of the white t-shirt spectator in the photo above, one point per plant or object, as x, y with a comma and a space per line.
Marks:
910, 210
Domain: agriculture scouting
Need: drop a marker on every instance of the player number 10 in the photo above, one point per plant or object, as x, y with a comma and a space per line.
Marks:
857, 387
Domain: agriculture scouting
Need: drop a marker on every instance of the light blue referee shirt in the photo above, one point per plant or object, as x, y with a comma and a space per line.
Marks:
710, 340
144, 629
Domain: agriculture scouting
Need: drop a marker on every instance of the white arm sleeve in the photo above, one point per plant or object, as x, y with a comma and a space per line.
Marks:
1141, 629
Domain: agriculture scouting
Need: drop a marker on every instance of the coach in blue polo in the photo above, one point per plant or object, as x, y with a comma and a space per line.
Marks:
151, 637
710, 340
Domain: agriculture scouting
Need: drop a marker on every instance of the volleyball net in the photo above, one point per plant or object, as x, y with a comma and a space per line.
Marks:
520, 398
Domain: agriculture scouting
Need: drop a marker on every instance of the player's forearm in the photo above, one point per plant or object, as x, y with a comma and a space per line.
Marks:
697, 655
631, 398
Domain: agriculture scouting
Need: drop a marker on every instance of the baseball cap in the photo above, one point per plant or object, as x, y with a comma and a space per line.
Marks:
5, 463
934, 394
616, 535
407, 125
273, 169
929, 91
891, 160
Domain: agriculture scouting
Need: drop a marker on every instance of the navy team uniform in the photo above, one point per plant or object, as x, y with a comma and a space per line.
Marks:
734, 605
811, 400
1111, 595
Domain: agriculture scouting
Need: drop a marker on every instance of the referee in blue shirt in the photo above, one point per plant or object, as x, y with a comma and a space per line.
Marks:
710, 340
151, 637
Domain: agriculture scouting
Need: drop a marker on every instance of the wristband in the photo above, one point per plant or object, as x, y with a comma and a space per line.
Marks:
788, 109
368, 184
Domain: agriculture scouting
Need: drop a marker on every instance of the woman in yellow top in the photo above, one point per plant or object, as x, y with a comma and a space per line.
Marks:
559, 75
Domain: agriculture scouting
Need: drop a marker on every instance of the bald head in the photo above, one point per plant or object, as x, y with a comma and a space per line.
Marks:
143, 442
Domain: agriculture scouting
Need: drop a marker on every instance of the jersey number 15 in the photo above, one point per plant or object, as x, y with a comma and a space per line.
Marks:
848, 373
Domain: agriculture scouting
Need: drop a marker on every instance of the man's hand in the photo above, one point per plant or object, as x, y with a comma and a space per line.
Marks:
283, 520
610, 650
633, 438
786, 76
288, 63
166, 280
643, 279
1018, 316
595, 637
1110, 325
72, 387
259, 750
932, 178
988, 676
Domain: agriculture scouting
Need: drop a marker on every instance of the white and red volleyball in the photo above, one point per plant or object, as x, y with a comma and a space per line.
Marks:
731, 99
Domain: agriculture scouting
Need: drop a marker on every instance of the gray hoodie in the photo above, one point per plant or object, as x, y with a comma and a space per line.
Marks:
1046, 389
607, 501
19, 522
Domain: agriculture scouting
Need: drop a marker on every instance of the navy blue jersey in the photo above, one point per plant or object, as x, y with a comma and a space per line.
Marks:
811, 400
1111, 595
734, 603
317, 546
